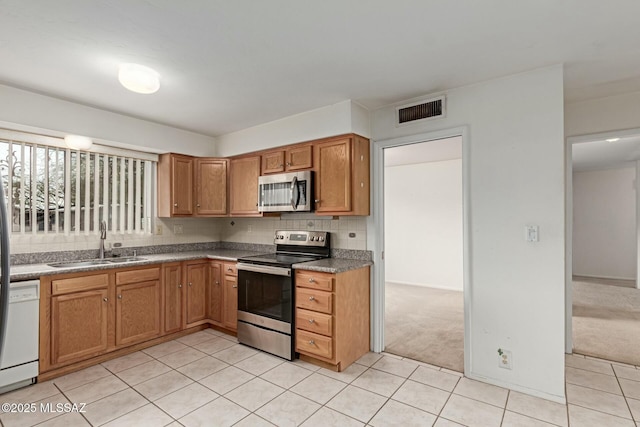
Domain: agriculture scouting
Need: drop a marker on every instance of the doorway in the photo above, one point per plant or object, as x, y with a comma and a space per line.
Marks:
423, 223
603, 318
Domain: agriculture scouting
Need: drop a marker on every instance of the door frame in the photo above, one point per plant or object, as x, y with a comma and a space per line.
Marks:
375, 229
601, 136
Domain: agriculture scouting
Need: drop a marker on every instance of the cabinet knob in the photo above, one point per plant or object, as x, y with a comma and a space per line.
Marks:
190, 284
234, 286
175, 205
120, 296
288, 163
280, 165
105, 299
229, 269
312, 321
312, 342
198, 205
217, 282
311, 280
180, 285
317, 200
312, 298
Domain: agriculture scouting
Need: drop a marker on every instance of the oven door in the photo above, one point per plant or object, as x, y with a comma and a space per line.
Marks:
265, 291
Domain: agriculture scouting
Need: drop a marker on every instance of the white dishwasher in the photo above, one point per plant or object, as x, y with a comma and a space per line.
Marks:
19, 358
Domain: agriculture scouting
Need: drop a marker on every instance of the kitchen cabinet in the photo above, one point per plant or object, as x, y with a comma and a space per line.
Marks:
291, 159
243, 186
211, 187
175, 185
342, 178
172, 305
230, 296
332, 317
196, 280
79, 309
215, 297
137, 306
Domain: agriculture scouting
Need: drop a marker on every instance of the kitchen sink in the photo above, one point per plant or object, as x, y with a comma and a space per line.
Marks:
91, 262
126, 259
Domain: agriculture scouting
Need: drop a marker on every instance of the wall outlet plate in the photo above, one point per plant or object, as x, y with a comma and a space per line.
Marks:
159, 229
505, 359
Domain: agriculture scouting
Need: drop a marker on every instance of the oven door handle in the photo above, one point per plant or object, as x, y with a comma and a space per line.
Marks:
278, 271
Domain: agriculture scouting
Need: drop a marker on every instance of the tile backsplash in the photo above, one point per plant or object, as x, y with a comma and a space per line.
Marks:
198, 230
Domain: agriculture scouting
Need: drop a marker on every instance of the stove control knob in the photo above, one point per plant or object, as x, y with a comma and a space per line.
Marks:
321, 239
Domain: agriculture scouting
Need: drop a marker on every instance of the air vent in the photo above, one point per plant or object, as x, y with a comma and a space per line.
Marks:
432, 108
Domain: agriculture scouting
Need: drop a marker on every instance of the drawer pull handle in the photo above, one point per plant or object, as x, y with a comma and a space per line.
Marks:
229, 269
312, 321
312, 298
312, 342
311, 280
234, 286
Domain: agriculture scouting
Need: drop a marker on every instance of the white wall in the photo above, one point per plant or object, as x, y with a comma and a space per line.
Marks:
32, 109
603, 114
423, 224
516, 174
604, 223
344, 117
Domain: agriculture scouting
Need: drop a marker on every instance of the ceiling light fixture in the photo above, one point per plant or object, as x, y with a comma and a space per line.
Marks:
77, 142
138, 78
613, 139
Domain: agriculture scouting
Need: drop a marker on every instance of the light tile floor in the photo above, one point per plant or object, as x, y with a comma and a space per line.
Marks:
207, 379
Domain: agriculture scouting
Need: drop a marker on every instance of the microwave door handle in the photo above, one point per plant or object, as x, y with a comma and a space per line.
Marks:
294, 187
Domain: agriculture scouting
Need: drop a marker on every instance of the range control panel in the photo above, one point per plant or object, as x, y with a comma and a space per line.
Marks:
302, 238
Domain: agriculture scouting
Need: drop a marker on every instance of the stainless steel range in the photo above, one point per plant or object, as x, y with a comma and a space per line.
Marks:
266, 297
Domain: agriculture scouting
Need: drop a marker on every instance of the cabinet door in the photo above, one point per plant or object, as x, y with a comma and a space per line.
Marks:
244, 173
230, 312
273, 162
299, 158
182, 185
333, 189
137, 312
211, 187
78, 325
215, 291
172, 298
196, 292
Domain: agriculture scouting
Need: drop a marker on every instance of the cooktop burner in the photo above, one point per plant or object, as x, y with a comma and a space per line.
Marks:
293, 247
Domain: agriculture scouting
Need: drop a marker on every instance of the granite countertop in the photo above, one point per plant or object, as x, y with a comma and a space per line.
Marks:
34, 271
333, 265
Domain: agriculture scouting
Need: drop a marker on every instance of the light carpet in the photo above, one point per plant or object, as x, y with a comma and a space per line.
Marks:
425, 324
606, 321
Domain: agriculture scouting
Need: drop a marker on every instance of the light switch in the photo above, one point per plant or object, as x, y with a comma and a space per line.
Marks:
531, 233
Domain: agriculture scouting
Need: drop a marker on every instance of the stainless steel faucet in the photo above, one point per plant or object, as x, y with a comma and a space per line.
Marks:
103, 236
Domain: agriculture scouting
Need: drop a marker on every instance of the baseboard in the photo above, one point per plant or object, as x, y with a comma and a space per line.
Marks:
590, 276
420, 285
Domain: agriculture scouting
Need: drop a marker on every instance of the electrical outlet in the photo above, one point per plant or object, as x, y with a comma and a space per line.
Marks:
159, 229
177, 229
505, 360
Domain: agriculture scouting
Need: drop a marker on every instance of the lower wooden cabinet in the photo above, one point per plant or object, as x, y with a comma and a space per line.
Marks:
230, 297
78, 325
215, 297
196, 280
332, 317
172, 298
137, 312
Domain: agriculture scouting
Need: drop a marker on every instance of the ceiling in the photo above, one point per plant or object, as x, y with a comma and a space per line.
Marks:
228, 65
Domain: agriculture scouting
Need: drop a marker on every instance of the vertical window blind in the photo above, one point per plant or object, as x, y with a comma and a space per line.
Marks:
62, 191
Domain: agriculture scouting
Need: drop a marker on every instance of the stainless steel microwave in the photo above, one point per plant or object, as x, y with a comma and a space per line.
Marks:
285, 192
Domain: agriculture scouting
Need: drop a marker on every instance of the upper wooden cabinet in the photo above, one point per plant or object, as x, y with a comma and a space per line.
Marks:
292, 159
342, 176
243, 186
175, 185
211, 187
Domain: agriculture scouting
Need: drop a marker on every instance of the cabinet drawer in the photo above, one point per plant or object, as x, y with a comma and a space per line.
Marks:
135, 276
308, 342
314, 322
76, 284
308, 279
230, 269
314, 300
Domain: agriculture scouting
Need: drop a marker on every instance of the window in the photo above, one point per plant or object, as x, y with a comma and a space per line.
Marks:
53, 189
